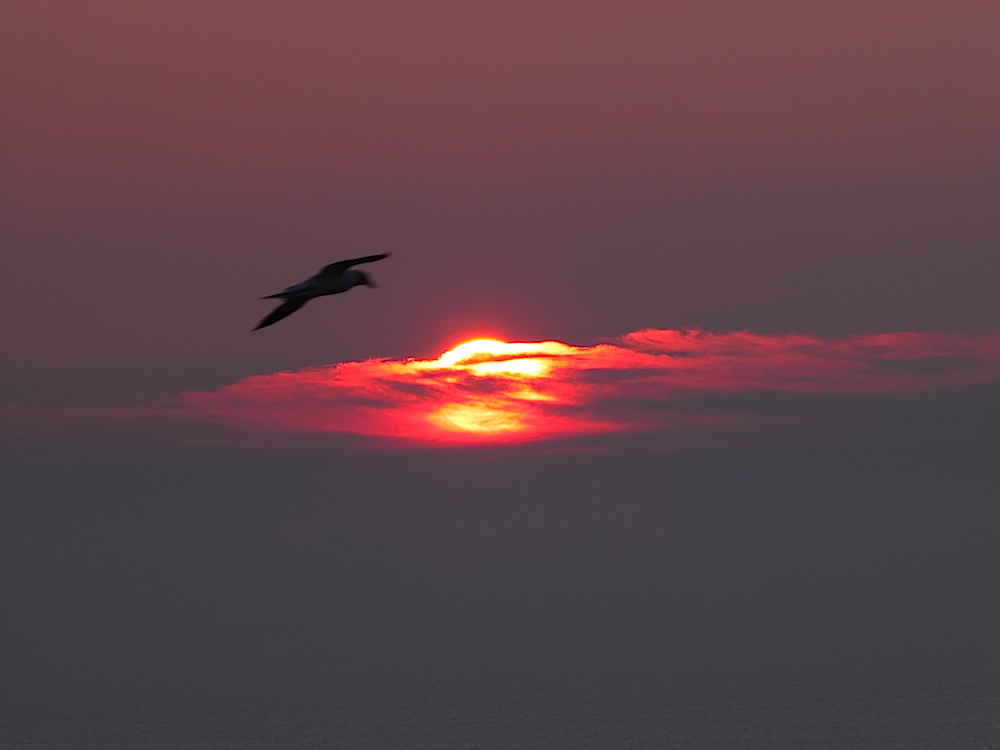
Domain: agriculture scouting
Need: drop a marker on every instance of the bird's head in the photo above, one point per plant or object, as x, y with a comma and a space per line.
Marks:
365, 280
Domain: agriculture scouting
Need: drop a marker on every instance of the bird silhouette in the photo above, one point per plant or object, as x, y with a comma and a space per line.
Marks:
332, 279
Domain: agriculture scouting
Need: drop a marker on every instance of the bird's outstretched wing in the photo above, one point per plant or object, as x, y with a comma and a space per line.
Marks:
335, 269
281, 311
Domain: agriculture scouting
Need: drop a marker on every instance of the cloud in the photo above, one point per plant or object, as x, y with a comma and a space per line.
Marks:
658, 387
651, 381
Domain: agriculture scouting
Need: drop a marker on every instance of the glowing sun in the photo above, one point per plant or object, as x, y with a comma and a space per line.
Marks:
509, 378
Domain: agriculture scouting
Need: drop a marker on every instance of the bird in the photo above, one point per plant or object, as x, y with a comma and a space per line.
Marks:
332, 279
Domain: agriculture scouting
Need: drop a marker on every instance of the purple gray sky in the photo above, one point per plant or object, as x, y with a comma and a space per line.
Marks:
540, 171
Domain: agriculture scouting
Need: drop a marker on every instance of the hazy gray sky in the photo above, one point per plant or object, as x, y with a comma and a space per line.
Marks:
568, 171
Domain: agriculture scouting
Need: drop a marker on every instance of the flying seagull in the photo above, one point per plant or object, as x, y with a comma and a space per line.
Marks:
333, 279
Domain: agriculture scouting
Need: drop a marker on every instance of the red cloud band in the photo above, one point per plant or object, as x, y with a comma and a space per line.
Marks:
489, 391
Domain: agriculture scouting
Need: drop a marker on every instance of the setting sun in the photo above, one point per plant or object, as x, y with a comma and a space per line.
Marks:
492, 357
511, 369
476, 417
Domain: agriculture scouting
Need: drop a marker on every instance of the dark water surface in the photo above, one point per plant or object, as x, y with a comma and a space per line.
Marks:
951, 718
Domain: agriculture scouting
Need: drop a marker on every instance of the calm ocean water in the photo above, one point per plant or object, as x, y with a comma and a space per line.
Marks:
953, 718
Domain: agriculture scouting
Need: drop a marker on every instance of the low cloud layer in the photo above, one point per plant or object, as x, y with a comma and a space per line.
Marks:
660, 387
648, 381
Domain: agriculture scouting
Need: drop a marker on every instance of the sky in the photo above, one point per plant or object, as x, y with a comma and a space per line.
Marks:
732, 272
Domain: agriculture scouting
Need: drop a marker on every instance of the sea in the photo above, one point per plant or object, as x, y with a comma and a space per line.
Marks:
953, 716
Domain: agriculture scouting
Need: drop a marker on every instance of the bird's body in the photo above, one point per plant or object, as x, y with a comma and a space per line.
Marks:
333, 279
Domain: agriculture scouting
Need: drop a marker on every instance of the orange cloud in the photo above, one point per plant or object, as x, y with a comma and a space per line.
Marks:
489, 392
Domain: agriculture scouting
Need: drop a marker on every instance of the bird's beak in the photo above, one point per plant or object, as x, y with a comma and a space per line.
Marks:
372, 284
